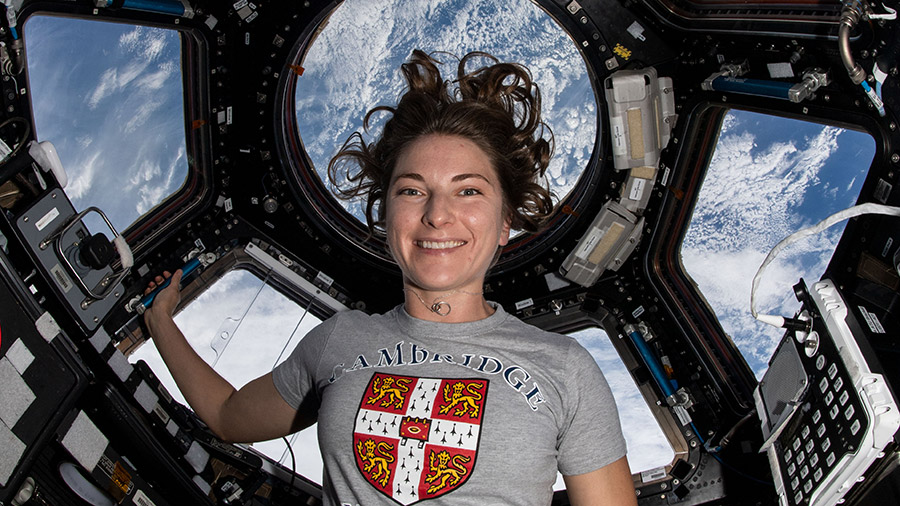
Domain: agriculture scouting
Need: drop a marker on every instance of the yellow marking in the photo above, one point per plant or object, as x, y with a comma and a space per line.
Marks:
121, 477
622, 51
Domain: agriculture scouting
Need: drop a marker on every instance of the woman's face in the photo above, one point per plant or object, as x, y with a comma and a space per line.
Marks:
444, 214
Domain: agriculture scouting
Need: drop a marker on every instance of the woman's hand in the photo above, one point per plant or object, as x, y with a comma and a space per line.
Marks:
165, 302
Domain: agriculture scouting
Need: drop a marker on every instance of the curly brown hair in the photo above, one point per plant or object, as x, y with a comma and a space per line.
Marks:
497, 107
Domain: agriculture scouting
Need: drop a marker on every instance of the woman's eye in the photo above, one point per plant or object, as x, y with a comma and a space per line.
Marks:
469, 192
408, 191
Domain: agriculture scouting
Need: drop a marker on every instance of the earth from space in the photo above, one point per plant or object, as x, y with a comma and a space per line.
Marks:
354, 65
109, 97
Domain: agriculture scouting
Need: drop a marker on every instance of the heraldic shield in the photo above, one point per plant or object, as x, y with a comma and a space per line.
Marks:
417, 438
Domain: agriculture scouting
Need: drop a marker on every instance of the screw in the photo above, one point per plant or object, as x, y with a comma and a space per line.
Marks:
895, 158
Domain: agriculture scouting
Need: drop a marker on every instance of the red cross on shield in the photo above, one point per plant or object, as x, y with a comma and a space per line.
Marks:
417, 438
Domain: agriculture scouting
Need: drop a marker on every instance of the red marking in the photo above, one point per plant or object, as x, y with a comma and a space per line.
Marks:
376, 459
460, 400
446, 470
415, 428
388, 393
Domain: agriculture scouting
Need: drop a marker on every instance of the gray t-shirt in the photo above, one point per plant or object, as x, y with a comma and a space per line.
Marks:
473, 413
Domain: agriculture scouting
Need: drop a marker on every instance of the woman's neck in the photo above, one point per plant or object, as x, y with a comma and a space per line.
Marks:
454, 306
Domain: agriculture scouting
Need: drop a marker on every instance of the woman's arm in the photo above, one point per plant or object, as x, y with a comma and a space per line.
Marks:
610, 485
256, 412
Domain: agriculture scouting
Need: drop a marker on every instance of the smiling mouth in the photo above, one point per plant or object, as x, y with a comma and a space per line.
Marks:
439, 244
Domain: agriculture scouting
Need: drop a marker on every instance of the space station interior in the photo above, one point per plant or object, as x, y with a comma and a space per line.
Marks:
87, 417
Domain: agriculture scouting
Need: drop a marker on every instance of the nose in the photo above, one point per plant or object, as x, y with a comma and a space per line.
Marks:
438, 211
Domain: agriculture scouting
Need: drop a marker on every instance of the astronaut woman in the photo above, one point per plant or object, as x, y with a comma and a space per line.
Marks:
446, 398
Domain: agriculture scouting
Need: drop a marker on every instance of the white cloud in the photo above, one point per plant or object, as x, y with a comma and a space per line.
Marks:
143, 42
81, 177
750, 200
84, 141
141, 114
105, 86
153, 81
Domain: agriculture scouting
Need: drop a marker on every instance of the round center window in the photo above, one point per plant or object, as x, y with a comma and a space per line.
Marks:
353, 65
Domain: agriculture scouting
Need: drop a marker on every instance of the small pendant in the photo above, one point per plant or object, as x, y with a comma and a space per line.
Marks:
441, 308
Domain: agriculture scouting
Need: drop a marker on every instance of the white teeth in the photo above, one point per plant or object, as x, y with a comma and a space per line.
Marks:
439, 245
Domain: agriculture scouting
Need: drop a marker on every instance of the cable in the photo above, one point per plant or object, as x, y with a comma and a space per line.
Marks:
736, 470
239, 322
724, 440
25, 135
874, 98
293, 462
852, 212
290, 337
889, 16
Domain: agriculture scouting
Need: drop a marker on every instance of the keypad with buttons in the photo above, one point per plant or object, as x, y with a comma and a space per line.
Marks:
829, 425
827, 415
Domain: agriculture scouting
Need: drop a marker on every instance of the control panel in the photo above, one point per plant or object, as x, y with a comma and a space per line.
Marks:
827, 412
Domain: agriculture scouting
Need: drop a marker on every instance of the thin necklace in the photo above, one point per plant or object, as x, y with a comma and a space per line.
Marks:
439, 306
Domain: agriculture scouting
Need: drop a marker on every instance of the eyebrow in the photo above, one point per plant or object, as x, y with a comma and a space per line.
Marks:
459, 177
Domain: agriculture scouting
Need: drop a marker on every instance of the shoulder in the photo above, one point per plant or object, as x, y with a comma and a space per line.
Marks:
529, 332
355, 321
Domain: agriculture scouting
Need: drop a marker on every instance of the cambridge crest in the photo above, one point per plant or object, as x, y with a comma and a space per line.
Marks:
417, 438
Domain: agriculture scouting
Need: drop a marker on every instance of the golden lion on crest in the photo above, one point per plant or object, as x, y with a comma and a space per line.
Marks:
448, 476
465, 394
395, 391
377, 465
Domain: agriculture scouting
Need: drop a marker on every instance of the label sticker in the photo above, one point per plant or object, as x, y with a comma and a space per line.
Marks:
588, 246
324, 278
872, 320
637, 189
522, 304
141, 499
47, 219
653, 474
683, 416
617, 123
62, 279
